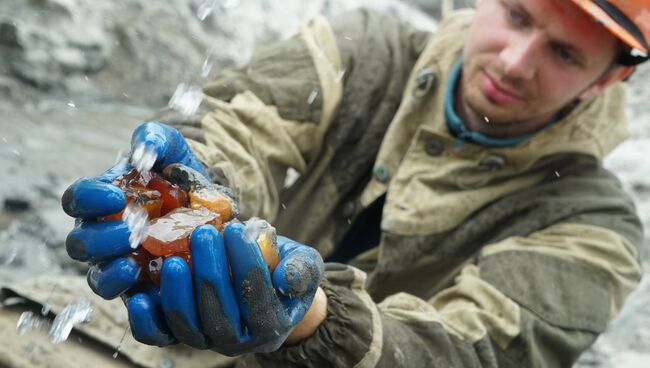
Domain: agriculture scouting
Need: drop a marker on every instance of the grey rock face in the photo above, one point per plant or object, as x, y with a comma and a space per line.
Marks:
140, 50
44, 42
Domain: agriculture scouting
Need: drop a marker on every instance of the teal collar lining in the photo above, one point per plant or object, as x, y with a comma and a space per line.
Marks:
457, 127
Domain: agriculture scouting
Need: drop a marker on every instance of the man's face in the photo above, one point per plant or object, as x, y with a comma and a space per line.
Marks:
527, 59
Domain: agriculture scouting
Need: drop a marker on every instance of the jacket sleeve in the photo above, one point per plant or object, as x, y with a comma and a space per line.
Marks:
257, 122
535, 300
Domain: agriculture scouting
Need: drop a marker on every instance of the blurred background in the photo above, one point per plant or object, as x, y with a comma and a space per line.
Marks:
77, 76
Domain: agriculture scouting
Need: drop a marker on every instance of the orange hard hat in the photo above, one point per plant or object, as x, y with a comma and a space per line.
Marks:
629, 20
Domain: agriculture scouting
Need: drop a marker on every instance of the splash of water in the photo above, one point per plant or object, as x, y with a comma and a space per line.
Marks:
119, 345
29, 321
143, 158
187, 98
230, 4
72, 315
312, 97
205, 9
136, 218
256, 227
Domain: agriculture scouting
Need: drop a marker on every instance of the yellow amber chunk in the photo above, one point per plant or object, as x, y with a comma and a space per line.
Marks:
213, 200
170, 234
269, 250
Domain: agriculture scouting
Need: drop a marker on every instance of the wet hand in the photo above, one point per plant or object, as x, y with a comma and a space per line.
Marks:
105, 244
230, 302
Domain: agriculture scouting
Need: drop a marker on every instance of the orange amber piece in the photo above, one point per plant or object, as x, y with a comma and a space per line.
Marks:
134, 178
269, 250
151, 266
172, 195
170, 234
149, 199
213, 200
134, 185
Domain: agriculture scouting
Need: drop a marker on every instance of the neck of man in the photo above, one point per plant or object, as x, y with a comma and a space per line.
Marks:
480, 124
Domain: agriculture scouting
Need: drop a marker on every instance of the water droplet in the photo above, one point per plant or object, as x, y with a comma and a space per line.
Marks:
186, 99
28, 321
119, 345
487, 120
46, 305
15, 152
166, 363
557, 174
71, 104
208, 63
73, 314
339, 75
347, 38
256, 227
284, 206
143, 158
205, 9
136, 218
125, 94
312, 96
230, 4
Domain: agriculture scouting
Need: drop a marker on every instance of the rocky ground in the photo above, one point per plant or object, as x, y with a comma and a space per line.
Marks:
76, 77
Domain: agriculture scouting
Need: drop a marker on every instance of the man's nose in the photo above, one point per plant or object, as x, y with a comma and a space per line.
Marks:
521, 56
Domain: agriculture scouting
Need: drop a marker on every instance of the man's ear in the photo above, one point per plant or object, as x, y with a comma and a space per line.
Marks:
616, 74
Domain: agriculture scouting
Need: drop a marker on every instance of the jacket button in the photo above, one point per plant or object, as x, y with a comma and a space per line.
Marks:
381, 173
424, 81
493, 162
434, 147
349, 208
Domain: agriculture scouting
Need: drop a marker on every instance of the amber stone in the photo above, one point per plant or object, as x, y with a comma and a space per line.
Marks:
269, 250
135, 189
170, 234
172, 195
213, 200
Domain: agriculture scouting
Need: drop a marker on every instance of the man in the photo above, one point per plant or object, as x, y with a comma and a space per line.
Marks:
457, 174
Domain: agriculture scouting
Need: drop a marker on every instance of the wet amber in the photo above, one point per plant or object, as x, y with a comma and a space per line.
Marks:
174, 214
170, 234
135, 189
172, 195
269, 250
212, 200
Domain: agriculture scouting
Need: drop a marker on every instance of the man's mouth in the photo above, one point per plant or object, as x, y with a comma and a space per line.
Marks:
496, 92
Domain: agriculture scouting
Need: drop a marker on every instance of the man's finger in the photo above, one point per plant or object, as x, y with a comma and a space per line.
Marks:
89, 197
92, 241
96, 197
260, 306
111, 279
147, 321
300, 270
179, 304
216, 298
167, 144
297, 277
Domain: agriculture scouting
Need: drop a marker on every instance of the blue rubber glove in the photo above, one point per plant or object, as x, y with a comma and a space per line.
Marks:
253, 311
105, 243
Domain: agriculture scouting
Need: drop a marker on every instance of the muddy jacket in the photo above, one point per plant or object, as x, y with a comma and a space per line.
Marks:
489, 257
508, 257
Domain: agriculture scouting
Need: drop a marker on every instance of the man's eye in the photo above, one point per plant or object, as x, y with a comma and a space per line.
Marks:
564, 56
515, 16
